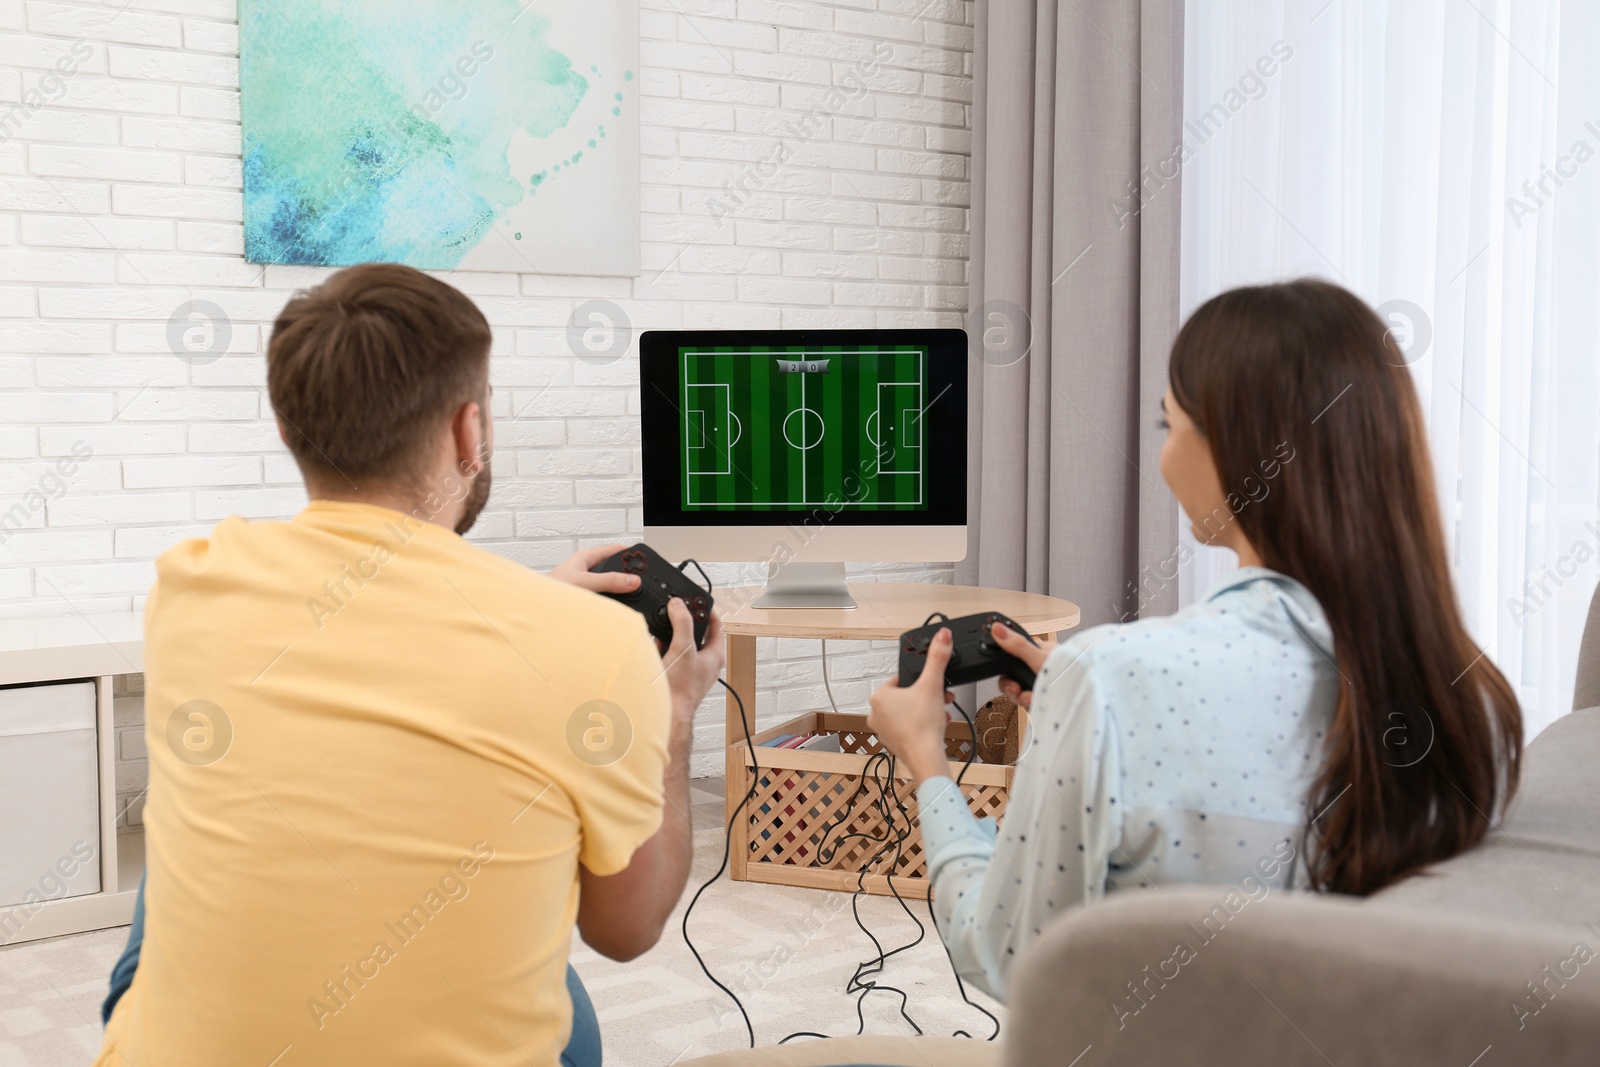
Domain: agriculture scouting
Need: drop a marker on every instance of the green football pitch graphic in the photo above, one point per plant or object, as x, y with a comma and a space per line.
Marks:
803, 428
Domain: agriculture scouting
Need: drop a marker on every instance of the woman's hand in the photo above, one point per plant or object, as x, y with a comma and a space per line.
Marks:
910, 721
574, 570
1028, 652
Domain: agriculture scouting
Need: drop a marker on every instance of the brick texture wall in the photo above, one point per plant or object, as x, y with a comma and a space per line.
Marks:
804, 164
132, 758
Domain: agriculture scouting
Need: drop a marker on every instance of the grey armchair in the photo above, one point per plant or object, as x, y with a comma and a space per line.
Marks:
1488, 959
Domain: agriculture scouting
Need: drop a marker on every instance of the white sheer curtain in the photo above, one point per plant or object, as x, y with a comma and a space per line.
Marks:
1442, 159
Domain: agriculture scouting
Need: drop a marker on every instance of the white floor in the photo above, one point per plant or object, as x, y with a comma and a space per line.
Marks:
787, 952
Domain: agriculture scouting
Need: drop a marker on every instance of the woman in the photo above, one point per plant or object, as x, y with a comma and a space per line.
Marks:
1321, 719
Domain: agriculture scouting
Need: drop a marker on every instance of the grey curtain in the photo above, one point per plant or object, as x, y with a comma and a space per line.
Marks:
1077, 118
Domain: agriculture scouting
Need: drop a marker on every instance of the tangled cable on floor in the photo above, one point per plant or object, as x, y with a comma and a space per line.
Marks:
880, 769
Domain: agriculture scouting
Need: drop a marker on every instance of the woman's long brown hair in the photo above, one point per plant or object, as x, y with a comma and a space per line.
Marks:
1426, 742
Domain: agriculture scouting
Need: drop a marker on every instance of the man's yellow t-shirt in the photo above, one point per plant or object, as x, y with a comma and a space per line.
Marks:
377, 756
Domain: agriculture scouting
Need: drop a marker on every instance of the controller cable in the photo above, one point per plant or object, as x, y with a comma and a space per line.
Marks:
961, 986
727, 850
880, 768
888, 794
727, 837
880, 759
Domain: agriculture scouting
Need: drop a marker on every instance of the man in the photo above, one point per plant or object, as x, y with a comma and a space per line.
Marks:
390, 770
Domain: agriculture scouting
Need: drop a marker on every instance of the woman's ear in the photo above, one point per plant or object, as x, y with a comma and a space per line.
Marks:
1190, 470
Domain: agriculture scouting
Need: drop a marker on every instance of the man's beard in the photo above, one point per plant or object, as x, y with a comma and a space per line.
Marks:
477, 497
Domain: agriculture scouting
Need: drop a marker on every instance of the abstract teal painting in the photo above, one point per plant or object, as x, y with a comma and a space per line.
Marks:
446, 134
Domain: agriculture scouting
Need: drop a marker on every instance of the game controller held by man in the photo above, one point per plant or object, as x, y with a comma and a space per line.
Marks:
688, 621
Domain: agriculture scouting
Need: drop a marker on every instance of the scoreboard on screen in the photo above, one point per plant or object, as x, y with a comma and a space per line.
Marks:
791, 428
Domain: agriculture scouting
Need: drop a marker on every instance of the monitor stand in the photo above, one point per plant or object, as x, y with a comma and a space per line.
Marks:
805, 585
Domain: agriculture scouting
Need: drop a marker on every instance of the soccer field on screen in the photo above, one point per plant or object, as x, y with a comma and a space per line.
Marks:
803, 428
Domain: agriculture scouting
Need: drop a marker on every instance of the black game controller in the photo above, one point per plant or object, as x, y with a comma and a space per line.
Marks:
974, 655
659, 582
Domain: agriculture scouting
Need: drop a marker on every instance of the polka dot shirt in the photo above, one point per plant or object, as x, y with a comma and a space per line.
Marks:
1170, 750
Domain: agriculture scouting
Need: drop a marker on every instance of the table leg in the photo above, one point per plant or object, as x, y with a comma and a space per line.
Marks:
742, 680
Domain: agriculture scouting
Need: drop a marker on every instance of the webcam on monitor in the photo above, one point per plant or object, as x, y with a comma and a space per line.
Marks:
807, 449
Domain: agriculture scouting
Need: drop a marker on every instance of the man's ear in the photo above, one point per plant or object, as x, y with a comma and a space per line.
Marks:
283, 435
467, 428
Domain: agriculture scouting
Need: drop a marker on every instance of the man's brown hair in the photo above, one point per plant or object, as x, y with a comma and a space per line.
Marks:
366, 366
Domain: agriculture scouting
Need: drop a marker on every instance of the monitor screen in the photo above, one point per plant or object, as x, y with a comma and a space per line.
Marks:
769, 426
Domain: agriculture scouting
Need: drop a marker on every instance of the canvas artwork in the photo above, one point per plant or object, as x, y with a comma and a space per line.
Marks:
497, 135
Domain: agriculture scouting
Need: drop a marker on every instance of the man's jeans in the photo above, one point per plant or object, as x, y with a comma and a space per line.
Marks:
583, 1048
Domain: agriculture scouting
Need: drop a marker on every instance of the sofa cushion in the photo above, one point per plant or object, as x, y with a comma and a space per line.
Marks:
1543, 864
1586, 686
1299, 978
1557, 804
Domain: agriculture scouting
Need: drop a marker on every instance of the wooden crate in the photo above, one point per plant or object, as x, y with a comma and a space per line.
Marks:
804, 794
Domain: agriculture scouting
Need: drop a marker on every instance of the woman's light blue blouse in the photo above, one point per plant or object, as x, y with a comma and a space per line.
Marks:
1170, 750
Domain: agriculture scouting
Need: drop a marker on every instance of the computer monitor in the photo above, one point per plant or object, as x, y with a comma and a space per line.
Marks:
806, 449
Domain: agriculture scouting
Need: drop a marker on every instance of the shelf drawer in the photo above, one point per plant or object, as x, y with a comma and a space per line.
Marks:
49, 793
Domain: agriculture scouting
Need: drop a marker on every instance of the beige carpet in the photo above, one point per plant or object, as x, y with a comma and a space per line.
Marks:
787, 952
50, 994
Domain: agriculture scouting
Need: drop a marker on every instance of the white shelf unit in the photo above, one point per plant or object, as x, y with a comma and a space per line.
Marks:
96, 648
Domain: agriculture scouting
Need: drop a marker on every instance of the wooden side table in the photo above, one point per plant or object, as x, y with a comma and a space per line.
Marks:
884, 611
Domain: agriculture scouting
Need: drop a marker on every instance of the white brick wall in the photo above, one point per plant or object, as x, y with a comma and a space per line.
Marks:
805, 165
132, 759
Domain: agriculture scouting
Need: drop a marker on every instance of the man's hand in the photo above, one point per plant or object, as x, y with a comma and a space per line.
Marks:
574, 570
910, 721
691, 672
1028, 652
